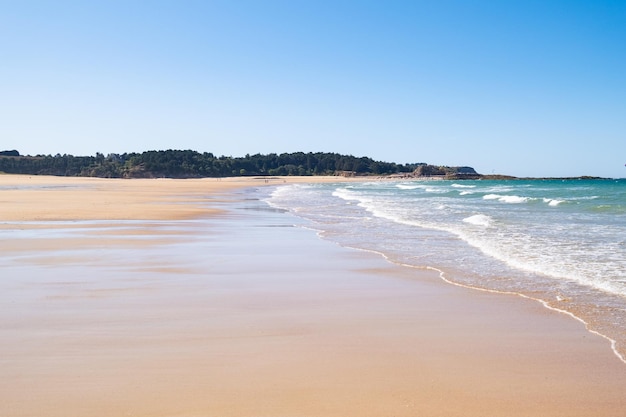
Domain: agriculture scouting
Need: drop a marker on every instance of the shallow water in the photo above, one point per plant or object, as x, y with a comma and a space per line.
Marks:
562, 242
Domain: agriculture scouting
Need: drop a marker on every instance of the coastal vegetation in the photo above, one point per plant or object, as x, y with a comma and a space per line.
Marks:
192, 164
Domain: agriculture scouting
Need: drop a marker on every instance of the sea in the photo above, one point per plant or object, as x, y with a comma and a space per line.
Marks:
559, 242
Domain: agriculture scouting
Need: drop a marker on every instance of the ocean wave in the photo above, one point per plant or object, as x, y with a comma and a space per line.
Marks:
429, 188
553, 202
479, 220
435, 190
608, 209
344, 194
408, 187
491, 196
560, 241
512, 199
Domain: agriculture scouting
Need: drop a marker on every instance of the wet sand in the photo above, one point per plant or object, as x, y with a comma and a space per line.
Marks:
191, 300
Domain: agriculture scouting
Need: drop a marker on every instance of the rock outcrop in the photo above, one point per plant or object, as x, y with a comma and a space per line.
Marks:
446, 172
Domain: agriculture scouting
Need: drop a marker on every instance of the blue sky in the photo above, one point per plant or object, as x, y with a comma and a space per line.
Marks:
527, 88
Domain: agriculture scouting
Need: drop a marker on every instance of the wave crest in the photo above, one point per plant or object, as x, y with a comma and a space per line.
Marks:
479, 220
512, 199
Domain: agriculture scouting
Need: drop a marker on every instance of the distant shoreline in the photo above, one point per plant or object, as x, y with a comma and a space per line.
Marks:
192, 164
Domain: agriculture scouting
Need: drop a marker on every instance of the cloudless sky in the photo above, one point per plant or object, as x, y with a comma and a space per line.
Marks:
526, 88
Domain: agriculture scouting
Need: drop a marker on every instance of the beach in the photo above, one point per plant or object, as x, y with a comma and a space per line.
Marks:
186, 298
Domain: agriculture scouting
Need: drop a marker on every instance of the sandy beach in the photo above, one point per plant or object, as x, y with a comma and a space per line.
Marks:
187, 298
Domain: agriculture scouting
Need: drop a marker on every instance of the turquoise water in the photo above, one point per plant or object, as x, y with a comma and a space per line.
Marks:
562, 242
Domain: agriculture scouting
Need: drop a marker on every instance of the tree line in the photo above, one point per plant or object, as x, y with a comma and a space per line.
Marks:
192, 164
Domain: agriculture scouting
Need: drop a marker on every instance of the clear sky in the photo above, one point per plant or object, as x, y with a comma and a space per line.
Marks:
526, 88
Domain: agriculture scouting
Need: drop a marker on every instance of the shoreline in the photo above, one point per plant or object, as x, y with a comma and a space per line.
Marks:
87, 198
544, 303
229, 312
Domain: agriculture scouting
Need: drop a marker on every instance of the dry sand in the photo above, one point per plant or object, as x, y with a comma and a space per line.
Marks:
43, 198
232, 312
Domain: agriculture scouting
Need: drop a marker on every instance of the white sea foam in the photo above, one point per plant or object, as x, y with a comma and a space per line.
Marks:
552, 202
345, 194
408, 187
463, 186
435, 190
479, 220
512, 199
491, 197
